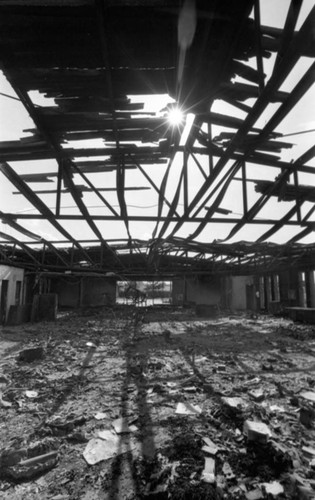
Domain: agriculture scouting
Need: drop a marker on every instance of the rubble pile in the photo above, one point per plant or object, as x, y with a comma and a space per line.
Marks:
115, 404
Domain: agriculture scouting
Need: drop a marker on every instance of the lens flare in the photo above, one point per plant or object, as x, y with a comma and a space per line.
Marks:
175, 116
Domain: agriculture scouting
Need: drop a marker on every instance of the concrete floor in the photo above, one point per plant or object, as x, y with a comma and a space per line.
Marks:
139, 365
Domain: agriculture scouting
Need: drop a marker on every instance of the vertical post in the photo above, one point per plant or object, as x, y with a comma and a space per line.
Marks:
262, 301
102, 255
302, 289
185, 180
244, 187
268, 291
59, 179
43, 253
259, 57
210, 154
297, 195
312, 287
276, 286
81, 287
72, 254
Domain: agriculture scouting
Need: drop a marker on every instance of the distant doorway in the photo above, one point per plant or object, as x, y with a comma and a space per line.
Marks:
4, 300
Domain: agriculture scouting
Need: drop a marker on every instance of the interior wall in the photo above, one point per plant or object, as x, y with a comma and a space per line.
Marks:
68, 291
196, 291
242, 292
206, 291
10, 275
76, 291
178, 292
98, 292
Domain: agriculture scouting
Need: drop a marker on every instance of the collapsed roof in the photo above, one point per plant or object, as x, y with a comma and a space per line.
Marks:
96, 66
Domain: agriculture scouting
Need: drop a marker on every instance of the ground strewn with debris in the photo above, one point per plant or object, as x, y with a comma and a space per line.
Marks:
117, 404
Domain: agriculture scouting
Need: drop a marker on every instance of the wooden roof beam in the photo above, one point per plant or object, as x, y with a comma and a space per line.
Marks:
29, 194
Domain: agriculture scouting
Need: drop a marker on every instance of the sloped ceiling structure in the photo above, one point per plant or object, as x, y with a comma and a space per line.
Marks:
97, 65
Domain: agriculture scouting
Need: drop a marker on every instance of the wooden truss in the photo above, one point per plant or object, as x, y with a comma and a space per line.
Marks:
89, 57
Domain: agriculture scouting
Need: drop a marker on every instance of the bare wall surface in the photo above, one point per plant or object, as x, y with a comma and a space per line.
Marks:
9, 276
98, 292
68, 290
240, 287
197, 291
79, 291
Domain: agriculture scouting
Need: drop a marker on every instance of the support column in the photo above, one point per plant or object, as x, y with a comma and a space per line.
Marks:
311, 276
268, 291
81, 292
302, 289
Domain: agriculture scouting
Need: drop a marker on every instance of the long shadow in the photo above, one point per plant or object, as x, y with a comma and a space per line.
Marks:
68, 389
189, 356
134, 373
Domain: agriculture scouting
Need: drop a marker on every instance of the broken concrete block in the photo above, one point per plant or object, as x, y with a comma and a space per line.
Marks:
235, 404
257, 395
227, 471
308, 451
308, 395
274, 488
32, 354
211, 450
208, 473
256, 431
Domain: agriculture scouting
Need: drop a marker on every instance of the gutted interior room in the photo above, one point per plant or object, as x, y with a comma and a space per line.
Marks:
157, 249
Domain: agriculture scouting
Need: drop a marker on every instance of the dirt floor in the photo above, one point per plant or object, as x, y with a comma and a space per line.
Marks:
92, 407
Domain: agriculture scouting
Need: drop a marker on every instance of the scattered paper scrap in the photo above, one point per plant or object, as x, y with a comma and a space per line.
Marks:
98, 449
121, 426
31, 394
100, 416
187, 409
91, 344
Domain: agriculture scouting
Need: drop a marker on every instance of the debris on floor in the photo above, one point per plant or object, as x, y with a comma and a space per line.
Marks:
99, 405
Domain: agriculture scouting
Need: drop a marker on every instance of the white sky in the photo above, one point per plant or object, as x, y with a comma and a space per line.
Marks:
301, 118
